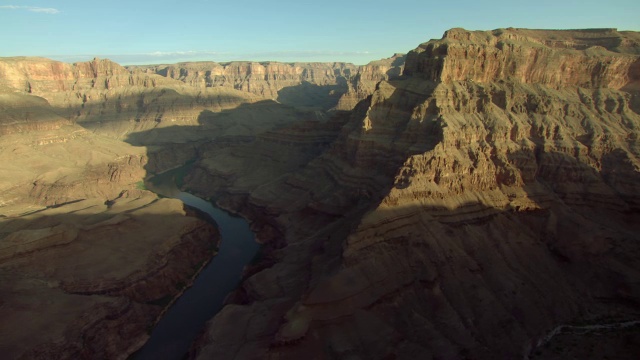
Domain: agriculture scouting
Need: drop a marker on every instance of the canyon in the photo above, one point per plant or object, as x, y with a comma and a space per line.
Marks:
458, 202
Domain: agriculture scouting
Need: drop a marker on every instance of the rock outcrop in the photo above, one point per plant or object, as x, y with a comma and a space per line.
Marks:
363, 84
115, 101
584, 58
472, 199
318, 86
88, 279
463, 211
88, 261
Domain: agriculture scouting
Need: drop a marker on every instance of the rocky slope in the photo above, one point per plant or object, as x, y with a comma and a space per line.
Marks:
463, 211
363, 84
317, 86
69, 190
88, 279
87, 261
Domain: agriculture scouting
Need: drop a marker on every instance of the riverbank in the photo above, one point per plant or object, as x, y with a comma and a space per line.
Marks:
183, 320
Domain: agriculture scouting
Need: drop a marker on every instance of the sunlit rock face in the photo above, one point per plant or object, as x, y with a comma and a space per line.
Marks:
457, 202
88, 259
83, 248
321, 86
464, 210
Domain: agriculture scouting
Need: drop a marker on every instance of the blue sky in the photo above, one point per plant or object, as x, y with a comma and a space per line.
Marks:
167, 31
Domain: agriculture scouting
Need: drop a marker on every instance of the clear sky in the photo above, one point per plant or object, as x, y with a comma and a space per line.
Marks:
167, 31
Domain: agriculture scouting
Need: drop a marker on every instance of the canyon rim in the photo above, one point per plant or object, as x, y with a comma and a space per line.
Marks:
460, 201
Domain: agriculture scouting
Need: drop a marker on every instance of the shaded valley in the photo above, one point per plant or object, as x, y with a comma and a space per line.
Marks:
459, 202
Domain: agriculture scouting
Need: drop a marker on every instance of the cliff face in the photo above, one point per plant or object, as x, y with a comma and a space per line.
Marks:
363, 84
263, 79
585, 59
108, 99
199, 94
40, 76
322, 86
115, 101
87, 261
463, 210
130, 258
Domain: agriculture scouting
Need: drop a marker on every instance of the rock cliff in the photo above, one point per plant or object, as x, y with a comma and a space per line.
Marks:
108, 99
583, 58
263, 79
115, 101
462, 211
479, 192
89, 279
363, 84
320, 86
87, 260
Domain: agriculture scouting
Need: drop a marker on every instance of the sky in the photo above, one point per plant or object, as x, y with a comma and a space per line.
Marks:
169, 31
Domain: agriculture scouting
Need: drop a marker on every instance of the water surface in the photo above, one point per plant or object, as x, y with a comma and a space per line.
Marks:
179, 327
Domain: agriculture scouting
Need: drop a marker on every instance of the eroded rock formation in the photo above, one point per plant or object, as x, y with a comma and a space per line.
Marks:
463, 210
472, 199
319, 86
363, 84
87, 260
89, 279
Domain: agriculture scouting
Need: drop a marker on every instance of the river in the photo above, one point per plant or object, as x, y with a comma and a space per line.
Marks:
185, 319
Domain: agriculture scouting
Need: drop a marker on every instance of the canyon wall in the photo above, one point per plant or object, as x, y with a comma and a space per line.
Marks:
76, 230
462, 211
319, 86
88, 260
109, 99
363, 84
460, 204
260, 78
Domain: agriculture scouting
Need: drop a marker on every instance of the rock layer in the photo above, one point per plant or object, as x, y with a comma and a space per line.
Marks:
320, 86
87, 260
460, 210
130, 258
463, 210
115, 101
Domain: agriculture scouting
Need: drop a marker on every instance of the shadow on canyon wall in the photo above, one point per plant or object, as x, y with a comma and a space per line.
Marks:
479, 250
313, 97
213, 132
589, 257
150, 107
74, 273
243, 121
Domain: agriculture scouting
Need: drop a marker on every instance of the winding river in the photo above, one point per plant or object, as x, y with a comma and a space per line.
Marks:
181, 324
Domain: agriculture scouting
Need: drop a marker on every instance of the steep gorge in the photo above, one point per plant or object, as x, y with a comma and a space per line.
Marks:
459, 205
88, 259
462, 211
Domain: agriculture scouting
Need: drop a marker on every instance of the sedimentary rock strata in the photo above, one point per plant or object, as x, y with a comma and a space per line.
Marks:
89, 279
88, 261
460, 202
487, 196
319, 86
